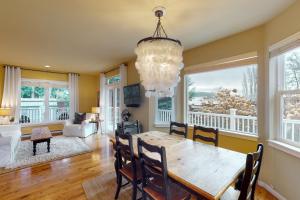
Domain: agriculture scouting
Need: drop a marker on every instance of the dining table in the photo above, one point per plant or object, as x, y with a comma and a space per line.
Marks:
204, 170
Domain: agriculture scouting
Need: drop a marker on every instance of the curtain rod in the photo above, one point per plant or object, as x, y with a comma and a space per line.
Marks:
115, 68
37, 70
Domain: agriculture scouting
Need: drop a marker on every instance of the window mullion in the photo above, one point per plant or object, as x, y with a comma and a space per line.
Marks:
46, 101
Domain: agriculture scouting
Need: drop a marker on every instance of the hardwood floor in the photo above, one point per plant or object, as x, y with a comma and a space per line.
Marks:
62, 179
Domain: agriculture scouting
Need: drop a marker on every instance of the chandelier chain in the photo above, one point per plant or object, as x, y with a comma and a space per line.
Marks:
159, 30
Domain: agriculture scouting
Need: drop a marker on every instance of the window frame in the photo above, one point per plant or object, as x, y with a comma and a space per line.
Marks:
158, 123
47, 85
222, 65
277, 65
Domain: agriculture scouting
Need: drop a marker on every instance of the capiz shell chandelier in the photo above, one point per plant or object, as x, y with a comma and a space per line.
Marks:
159, 61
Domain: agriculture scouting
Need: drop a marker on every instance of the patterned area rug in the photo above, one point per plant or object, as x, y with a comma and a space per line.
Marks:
104, 187
61, 147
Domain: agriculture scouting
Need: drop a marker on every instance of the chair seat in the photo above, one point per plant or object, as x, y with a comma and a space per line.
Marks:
127, 171
231, 194
176, 192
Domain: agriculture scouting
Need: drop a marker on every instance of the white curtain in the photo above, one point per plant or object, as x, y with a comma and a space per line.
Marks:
12, 90
74, 94
123, 82
102, 99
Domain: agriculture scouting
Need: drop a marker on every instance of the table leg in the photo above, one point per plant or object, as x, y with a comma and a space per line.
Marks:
48, 145
34, 148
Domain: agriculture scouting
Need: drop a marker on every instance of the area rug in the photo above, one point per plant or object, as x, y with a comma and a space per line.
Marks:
104, 187
60, 147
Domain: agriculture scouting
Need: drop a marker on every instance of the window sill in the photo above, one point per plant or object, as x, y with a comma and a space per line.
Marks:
289, 149
161, 125
43, 123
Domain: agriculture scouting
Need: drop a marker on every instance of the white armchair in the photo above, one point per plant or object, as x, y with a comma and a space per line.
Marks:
10, 137
80, 130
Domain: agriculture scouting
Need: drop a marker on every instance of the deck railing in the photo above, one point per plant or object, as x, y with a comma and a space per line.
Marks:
164, 116
291, 130
225, 122
39, 114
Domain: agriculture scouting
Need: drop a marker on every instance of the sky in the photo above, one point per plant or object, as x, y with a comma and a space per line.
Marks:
210, 81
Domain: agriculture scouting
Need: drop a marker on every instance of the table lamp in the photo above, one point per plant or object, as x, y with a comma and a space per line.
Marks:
5, 114
97, 111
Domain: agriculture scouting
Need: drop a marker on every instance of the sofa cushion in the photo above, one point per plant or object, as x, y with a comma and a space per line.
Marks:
79, 118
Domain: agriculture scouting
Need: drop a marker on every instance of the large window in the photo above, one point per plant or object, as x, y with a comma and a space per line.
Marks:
287, 65
223, 99
165, 111
43, 101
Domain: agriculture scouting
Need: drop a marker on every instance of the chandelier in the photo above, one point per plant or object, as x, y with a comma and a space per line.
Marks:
159, 61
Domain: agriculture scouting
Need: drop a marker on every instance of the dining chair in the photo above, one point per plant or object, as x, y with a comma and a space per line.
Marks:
127, 165
155, 182
249, 179
175, 128
198, 134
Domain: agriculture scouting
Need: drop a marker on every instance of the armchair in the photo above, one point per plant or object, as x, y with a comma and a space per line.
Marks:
80, 130
10, 137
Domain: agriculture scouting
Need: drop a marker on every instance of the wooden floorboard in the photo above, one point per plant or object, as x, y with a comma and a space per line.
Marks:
62, 179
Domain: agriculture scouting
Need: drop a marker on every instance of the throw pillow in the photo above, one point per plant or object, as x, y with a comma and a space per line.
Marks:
79, 118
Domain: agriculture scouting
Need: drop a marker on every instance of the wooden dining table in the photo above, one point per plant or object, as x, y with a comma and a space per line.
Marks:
205, 170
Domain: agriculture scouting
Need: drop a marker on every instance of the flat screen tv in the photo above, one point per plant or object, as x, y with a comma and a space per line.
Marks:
132, 95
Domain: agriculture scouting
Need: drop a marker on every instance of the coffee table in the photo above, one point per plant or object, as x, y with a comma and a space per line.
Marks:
40, 135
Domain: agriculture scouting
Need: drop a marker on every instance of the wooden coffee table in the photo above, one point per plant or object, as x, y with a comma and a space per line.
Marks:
40, 135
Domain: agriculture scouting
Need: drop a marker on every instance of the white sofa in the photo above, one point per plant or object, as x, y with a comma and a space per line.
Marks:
10, 137
80, 130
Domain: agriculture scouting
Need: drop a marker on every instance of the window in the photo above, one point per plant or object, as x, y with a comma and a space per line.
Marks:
223, 99
287, 95
165, 111
43, 101
113, 80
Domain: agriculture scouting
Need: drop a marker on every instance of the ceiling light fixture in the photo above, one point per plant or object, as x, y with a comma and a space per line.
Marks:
47, 66
159, 61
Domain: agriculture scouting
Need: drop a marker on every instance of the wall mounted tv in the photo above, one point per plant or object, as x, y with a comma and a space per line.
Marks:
132, 95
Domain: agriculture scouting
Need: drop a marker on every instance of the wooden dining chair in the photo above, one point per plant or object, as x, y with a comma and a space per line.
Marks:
198, 134
175, 126
155, 182
127, 166
249, 179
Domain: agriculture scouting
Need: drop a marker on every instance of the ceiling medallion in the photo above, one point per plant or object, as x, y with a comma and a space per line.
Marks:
159, 61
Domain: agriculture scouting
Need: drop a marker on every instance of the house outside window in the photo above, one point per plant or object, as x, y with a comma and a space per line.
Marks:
164, 111
287, 96
223, 99
44, 101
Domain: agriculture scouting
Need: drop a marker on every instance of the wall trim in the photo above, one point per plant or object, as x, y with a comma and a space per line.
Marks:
271, 190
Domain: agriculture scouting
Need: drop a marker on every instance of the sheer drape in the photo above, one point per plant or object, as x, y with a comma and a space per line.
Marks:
74, 94
12, 90
123, 82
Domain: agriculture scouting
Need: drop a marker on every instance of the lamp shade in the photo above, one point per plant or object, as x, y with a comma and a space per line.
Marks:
96, 110
5, 112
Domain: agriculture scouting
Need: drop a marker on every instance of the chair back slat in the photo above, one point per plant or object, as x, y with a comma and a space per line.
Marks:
214, 132
175, 126
125, 152
253, 164
154, 172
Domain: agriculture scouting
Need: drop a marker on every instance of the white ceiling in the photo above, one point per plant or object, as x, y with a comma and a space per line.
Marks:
94, 35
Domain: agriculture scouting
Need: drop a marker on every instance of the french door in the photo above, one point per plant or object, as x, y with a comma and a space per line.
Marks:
112, 108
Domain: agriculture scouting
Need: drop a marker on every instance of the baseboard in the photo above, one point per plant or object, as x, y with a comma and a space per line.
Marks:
271, 190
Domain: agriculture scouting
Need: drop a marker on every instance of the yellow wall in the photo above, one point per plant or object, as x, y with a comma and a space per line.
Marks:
88, 88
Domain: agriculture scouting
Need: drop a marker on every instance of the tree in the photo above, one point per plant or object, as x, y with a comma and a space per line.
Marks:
250, 83
293, 71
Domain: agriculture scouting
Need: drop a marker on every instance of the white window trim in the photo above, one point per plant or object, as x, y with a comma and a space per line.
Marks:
283, 146
46, 84
276, 91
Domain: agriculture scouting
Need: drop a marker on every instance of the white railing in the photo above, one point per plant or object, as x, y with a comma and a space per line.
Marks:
291, 130
39, 114
113, 117
225, 122
163, 116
